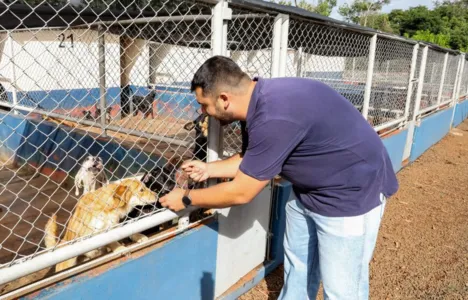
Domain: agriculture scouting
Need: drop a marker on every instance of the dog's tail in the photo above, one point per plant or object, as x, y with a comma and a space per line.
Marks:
50, 238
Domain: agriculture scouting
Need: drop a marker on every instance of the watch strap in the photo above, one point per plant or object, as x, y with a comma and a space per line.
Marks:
186, 197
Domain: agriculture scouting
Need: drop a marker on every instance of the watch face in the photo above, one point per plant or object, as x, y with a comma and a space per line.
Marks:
186, 200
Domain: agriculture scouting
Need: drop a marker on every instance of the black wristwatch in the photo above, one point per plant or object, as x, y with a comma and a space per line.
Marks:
186, 200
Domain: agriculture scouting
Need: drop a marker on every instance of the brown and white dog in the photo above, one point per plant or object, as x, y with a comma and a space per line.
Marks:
97, 211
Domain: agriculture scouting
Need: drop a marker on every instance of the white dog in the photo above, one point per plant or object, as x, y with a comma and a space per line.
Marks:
91, 175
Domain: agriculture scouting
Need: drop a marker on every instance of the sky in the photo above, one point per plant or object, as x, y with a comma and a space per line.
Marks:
394, 4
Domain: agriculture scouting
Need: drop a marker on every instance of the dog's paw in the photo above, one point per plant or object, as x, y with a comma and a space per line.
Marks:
116, 247
138, 238
119, 248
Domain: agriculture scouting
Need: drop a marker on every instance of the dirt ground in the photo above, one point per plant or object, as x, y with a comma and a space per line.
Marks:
422, 248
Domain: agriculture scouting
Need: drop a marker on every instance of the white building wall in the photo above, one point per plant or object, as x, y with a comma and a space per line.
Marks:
41, 64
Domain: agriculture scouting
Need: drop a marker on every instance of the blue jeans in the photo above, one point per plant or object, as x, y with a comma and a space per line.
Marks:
336, 250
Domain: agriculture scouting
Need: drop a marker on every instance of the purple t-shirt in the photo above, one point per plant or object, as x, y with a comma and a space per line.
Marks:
313, 137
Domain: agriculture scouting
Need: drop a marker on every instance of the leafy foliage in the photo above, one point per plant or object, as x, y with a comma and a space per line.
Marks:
360, 10
427, 36
445, 25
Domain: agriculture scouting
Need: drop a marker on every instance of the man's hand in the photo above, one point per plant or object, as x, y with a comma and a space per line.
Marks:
197, 170
173, 200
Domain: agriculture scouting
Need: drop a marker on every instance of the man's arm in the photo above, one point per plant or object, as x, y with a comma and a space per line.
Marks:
226, 168
262, 161
228, 194
200, 171
222, 195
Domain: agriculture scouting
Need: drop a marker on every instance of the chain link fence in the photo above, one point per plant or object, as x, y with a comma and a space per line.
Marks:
449, 80
432, 79
115, 89
332, 55
464, 79
111, 80
416, 83
391, 75
249, 41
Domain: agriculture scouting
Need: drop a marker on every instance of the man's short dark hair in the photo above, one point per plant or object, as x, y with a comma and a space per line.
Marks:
215, 71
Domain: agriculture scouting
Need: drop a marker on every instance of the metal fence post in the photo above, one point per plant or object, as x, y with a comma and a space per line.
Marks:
422, 71
417, 101
411, 81
442, 79
465, 58
370, 72
220, 13
284, 45
457, 77
460, 77
276, 46
102, 78
13, 72
454, 101
299, 53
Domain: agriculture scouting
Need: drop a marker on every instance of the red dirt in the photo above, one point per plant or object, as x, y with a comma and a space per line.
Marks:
422, 248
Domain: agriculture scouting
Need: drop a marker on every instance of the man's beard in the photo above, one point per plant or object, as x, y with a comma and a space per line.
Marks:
224, 117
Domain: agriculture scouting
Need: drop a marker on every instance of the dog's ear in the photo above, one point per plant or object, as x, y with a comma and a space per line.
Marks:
189, 126
119, 195
145, 177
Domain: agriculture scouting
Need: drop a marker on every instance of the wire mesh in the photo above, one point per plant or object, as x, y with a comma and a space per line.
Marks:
249, 38
392, 66
464, 80
450, 77
111, 79
432, 79
337, 57
416, 83
117, 90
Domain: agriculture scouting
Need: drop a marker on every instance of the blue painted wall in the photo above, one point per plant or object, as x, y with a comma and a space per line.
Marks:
178, 102
56, 150
183, 268
175, 101
431, 130
461, 113
395, 146
11, 134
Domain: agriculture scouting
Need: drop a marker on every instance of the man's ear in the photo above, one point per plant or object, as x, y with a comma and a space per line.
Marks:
225, 98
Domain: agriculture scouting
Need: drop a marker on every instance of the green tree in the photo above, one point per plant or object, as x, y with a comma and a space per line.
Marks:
322, 7
440, 39
414, 19
445, 25
360, 10
380, 22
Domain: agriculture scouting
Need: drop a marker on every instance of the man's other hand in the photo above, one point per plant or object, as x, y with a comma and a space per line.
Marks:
197, 170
